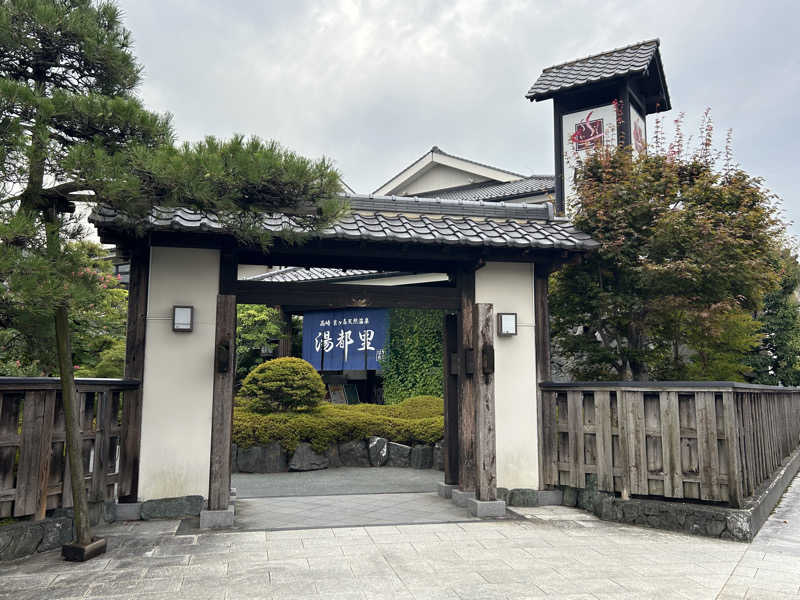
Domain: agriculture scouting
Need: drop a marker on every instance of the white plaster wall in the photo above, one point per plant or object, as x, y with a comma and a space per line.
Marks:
437, 178
509, 288
178, 374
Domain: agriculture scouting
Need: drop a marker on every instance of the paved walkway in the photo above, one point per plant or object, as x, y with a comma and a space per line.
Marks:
346, 511
554, 552
344, 480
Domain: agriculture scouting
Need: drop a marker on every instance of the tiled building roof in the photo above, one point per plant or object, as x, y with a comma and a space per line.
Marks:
412, 220
493, 191
296, 274
635, 59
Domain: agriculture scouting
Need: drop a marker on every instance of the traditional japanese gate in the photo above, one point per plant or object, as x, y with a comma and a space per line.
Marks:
497, 258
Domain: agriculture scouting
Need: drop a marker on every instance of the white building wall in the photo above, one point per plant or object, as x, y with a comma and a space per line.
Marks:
509, 288
178, 374
439, 177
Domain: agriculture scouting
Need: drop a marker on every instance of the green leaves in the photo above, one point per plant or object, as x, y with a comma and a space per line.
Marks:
687, 254
413, 364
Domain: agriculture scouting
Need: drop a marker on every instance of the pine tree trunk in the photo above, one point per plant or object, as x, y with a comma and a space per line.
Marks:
69, 397
83, 532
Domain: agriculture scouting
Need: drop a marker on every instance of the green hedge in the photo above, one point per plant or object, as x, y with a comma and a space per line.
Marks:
417, 420
286, 383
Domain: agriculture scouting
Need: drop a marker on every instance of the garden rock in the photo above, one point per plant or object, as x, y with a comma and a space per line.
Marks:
262, 459
234, 461
421, 457
332, 454
172, 508
378, 451
399, 455
438, 456
305, 459
354, 453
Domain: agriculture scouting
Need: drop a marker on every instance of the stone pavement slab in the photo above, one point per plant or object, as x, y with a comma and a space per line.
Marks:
344, 480
553, 552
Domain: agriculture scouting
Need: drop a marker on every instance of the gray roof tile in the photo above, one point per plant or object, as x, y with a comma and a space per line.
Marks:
400, 219
491, 191
630, 60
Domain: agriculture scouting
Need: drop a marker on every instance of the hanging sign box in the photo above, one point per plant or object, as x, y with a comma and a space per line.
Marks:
346, 339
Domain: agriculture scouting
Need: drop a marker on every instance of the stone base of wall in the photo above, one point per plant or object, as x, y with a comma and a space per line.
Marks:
374, 452
740, 524
24, 538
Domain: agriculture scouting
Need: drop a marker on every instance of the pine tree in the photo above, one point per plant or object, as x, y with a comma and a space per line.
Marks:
72, 129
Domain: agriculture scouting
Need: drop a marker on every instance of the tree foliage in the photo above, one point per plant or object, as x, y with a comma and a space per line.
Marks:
688, 250
413, 363
777, 360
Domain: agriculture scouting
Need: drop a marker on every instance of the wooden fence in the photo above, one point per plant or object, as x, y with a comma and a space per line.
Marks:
715, 441
34, 472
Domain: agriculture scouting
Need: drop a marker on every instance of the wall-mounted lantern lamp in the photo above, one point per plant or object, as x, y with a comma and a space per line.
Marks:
506, 324
182, 318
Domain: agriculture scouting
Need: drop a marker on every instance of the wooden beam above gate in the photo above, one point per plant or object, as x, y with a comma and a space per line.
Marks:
332, 295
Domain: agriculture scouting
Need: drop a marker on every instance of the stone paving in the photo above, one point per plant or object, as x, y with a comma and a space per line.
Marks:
346, 511
553, 552
344, 480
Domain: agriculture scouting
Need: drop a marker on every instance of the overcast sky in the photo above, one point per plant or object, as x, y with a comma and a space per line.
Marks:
373, 85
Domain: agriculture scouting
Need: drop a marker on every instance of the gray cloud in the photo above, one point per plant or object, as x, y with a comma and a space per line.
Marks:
373, 85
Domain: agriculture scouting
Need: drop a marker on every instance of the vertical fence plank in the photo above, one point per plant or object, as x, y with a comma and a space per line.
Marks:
575, 420
671, 445
637, 457
30, 455
707, 445
732, 432
45, 453
605, 470
485, 442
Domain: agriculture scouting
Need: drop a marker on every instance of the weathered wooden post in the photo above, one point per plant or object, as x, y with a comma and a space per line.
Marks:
466, 381
219, 488
485, 442
451, 430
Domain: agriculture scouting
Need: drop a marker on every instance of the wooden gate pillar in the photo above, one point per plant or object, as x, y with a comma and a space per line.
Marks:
138, 283
541, 333
219, 486
485, 438
451, 430
466, 383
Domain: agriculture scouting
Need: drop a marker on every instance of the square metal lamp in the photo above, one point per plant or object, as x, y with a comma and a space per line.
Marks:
506, 324
182, 318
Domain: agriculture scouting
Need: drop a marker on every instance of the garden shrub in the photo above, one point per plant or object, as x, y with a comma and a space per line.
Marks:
417, 420
281, 384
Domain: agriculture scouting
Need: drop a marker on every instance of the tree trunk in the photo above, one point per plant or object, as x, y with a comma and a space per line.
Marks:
83, 533
69, 397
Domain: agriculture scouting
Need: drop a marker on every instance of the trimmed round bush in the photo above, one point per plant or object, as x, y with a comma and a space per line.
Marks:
282, 384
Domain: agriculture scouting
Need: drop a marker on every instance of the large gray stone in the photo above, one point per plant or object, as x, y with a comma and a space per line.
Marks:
172, 508
217, 519
305, 459
421, 457
262, 459
332, 453
399, 455
378, 451
486, 508
354, 453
